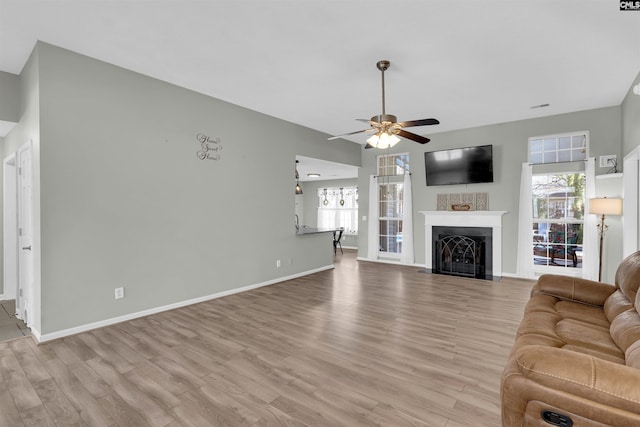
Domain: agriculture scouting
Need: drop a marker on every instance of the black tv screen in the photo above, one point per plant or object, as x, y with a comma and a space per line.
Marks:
468, 165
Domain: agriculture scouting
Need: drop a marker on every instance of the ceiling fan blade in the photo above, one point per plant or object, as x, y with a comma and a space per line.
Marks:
412, 136
350, 133
423, 122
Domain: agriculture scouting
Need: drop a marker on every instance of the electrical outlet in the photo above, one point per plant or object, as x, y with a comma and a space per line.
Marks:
608, 161
119, 293
289, 261
278, 263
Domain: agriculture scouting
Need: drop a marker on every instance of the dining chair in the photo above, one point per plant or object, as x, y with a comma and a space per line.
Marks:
337, 236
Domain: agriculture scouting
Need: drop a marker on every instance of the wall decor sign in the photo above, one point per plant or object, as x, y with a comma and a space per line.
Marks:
463, 202
209, 147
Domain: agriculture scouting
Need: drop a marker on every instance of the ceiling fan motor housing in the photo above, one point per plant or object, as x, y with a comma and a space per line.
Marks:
381, 118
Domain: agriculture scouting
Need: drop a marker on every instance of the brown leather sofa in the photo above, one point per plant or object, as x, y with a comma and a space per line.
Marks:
576, 358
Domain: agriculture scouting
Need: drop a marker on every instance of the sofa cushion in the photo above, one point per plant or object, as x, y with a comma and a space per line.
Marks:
632, 355
540, 323
574, 289
583, 313
581, 375
613, 358
625, 329
591, 337
566, 309
616, 304
628, 276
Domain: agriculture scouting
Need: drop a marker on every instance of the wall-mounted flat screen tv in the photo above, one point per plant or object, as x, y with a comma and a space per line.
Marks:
468, 165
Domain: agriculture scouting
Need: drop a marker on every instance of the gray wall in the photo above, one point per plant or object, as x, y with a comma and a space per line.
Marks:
10, 95
510, 151
310, 200
125, 202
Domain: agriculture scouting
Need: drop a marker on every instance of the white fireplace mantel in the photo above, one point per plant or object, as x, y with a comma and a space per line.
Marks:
492, 219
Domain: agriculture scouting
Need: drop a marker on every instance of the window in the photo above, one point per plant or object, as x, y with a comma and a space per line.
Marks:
391, 169
392, 165
338, 207
558, 219
563, 148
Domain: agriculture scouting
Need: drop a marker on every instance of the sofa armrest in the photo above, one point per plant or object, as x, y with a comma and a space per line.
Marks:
582, 375
574, 289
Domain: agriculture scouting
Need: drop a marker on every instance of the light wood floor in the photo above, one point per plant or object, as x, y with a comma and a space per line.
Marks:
10, 326
364, 344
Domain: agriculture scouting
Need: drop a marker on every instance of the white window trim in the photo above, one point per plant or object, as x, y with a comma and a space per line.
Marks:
391, 179
353, 210
560, 135
392, 155
550, 269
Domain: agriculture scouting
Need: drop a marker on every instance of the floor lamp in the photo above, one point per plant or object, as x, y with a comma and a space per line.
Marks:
604, 206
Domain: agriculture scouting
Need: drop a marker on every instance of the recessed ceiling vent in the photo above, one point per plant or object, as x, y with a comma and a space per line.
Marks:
533, 107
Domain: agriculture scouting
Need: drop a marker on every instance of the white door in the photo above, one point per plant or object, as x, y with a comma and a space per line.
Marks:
24, 300
10, 222
631, 202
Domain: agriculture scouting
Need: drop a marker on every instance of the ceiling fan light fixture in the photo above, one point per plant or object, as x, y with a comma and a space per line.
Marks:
383, 140
386, 126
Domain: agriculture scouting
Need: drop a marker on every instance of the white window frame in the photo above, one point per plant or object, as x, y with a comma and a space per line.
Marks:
385, 179
333, 214
559, 269
560, 152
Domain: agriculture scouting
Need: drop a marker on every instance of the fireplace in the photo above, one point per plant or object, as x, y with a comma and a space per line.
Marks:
462, 251
488, 220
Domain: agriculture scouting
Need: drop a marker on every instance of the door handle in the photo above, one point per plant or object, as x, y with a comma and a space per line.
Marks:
27, 248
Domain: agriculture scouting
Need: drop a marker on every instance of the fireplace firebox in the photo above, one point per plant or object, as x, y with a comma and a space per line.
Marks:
462, 251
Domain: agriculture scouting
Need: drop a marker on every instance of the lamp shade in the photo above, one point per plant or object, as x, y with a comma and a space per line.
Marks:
383, 140
605, 206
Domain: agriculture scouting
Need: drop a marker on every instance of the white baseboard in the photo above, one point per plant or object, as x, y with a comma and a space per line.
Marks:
513, 275
1, 297
41, 338
393, 262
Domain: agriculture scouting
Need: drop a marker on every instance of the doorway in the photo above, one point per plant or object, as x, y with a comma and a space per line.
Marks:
17, 239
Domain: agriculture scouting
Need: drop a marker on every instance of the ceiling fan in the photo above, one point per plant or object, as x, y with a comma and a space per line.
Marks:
386, 126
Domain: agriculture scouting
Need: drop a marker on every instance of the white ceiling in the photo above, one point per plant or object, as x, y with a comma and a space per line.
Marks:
312, 62
327, 170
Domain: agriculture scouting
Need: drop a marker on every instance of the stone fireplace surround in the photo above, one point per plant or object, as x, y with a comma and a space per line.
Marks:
490, 219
